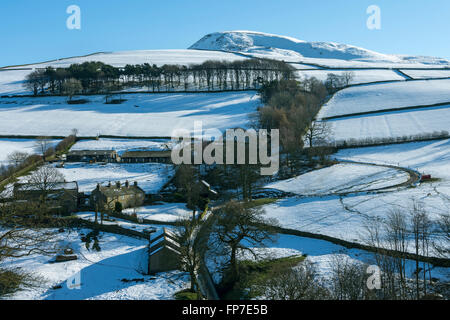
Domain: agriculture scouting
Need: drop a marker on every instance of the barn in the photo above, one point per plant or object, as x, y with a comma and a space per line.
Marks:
160, 156
93, 156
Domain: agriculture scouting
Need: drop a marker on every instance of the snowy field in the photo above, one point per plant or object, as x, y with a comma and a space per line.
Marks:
126, 224
377, 97
424, 74
342, 178
11, 81
122, 145
151, 177
347, 217
144, 115
392, 124
323, 253
8, 146
431, 157
100, 273
158, 57
359, 76
167, 212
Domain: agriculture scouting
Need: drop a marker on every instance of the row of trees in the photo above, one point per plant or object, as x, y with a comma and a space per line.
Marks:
97, 77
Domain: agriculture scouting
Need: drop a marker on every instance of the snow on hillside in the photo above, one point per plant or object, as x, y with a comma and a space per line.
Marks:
341, 178
11, 81
151, 177
323, 253
425, 74
246, 41
8, 146
375, 97
143, 115
167, 212
291, 49
431, 157
347, 217
100, 273
122, 145
158, 57
126, 224
394, 124
12, 78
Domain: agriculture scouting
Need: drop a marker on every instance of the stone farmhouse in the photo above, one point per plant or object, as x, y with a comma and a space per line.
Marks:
106, 197
61, 198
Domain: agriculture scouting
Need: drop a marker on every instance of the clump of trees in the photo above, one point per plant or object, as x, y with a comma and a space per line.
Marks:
291, 107
335, 82
100, 78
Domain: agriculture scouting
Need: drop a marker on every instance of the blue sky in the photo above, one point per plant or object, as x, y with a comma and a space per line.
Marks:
32, 31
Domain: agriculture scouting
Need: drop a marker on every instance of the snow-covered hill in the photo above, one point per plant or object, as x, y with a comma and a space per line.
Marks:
291, 49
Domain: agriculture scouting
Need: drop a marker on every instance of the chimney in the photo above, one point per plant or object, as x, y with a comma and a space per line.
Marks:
109, 184
118, 184
98, 186
127, 184
135, 184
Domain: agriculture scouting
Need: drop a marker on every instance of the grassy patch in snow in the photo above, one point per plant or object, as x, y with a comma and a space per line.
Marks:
431, 180
186, 295
13, 280
260, 202
254, 273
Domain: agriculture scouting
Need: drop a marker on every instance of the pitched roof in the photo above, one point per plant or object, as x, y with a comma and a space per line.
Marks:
52, 186
147, 154
92, 152
114, 191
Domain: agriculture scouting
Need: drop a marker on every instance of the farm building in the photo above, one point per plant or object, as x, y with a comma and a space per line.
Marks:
106, 197
93, 156
164, 253
61, 197
163, 156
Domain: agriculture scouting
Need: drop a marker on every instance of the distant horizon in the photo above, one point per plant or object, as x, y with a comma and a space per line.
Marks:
188, 48
36, 32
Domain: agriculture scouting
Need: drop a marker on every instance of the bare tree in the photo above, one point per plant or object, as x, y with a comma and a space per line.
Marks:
348, 279
193, 245
21, 236
348, 77
396, 235
376, 238
298, 283
442, 244
42, 145
45, 179
317, 132
239, 227
420, 225
17, 158
35, 81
